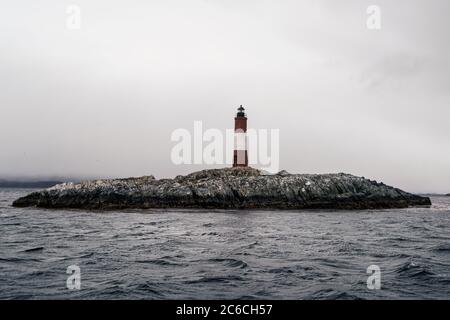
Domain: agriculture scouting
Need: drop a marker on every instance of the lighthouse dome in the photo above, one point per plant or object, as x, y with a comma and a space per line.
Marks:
241, 112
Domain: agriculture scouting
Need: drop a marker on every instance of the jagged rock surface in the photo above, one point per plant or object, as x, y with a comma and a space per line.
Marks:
226, 188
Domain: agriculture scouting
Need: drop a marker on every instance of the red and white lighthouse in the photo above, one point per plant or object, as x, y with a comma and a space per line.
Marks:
240, 157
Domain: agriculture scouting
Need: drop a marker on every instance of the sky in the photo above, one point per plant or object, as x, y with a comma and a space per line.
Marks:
102, 100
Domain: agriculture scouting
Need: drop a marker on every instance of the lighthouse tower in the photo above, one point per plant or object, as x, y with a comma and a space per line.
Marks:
240, 157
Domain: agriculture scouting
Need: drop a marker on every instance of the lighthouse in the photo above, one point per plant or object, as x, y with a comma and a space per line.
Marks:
240, 157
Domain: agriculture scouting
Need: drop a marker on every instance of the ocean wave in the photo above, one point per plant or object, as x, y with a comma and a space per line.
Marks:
148, 288
232, 263
160, 262
217, 279
413, 270
36, 249
444, 248
333, 294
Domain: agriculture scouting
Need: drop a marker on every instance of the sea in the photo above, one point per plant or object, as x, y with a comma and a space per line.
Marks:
224, 254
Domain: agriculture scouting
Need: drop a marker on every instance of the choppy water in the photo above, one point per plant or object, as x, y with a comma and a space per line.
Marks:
187, 254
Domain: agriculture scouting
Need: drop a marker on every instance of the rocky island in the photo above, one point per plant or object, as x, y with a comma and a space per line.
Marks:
228, 188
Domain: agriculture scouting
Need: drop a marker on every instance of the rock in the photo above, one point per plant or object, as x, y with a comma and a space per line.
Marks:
226, 188
283, 173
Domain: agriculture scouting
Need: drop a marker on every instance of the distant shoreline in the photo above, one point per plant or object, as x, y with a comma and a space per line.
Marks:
433, 194
28, 184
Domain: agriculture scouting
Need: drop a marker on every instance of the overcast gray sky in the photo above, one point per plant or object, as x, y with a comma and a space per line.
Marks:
103, 100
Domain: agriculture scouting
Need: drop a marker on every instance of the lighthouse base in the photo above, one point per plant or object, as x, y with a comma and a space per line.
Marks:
240, 158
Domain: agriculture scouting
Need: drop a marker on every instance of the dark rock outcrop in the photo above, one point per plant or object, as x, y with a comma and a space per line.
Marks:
226, 188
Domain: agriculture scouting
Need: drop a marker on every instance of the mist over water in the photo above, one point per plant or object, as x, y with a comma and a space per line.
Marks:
204, 254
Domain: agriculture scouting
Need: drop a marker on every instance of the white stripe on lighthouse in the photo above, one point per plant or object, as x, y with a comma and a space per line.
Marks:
240, 140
